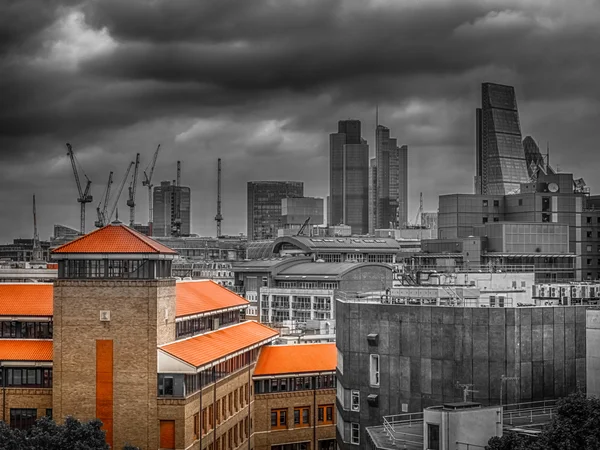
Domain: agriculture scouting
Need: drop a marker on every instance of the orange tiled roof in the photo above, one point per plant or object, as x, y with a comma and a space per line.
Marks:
203, 349
25, 350
195, 297
300, 358
26, 299
114, 238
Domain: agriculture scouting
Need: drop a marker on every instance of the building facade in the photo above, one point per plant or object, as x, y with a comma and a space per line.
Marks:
391, 181
264, 206
296, 211
500, 157
395, 359
172, 210
349, 177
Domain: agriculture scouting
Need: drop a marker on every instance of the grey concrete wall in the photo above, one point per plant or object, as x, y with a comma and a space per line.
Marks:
593, 352
425, 350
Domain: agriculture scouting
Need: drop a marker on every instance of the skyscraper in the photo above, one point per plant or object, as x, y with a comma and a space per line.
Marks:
264, 206
391, 181
501, 165
172, 210
349, 177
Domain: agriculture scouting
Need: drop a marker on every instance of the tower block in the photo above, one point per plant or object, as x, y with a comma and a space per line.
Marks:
114, 302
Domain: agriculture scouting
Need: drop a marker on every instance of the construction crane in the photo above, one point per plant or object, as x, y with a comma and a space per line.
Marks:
132, 189
219, 217
303, 227
37, 247
147, 181
112, 210
84, 195
176, 227
103, 205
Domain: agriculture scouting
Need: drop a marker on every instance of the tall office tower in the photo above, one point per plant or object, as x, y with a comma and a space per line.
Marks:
349, 177
372, 195
264, 206
501, 165
392, 181
534, 159
172, 210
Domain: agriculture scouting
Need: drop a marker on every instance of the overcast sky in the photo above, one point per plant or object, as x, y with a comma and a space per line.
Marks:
262, 83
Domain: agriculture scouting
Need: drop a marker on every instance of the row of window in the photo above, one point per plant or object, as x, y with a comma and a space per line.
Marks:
25, 330
182, 385
191, 327
110, 268
302, 417
24, 418
297, 302
29, 377
294, 384
225, 407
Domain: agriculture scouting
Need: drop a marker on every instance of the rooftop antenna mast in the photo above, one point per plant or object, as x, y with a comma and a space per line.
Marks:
37, 248
466, 390
219, 216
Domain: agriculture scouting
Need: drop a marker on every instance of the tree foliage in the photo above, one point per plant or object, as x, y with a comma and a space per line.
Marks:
576, 426
47, 435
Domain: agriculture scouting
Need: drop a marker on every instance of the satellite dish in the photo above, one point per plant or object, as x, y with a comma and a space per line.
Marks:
553, 187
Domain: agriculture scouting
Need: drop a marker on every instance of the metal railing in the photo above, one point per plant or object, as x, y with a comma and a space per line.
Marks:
524, 413
395, 428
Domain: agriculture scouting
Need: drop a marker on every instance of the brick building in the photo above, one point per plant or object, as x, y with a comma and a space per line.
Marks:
162, 364
294, 405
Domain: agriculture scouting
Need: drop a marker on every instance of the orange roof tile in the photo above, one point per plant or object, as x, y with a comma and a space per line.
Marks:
212, 346
114, 238
300, 358
25, 350
196, 297
26, 299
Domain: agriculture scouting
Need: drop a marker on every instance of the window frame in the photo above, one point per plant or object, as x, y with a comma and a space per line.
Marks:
303, 416
374, 370
279, 413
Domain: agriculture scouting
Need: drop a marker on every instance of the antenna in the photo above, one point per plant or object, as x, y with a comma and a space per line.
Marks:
465, 389
178, 173
219, 217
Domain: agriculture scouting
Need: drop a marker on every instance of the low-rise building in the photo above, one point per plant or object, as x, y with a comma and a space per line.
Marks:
294, 405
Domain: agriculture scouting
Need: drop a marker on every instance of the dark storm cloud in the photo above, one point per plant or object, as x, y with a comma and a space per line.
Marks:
262, 83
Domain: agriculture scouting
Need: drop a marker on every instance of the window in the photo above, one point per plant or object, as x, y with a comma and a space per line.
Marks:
49, 413
340, 361
167, 386
496, 203
496, 219
485, 203
325, 414
355, 436
520, 202
22, 419
545, 204
196, 427
588, 219
278, 419
235, 399
302, 416
433, 436
501, 301
204, 422
374, 370
210, 416
355, 401
588, 234
589, 261
492, 301
588, 248
485, 220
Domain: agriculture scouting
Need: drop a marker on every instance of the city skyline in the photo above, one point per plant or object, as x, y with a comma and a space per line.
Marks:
112, 82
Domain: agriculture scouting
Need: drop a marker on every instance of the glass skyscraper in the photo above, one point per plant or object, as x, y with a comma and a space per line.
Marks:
501, 164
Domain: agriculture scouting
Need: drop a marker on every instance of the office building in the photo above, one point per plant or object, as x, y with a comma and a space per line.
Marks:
349, 177
553, 200
398, 358
22, 250
264, 206
172, 210
180, 377
500, 157
294, 403
391, 181
295, 212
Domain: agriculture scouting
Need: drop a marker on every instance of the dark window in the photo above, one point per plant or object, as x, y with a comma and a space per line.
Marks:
520, 202
496, 203
22, 419
433, 437
546, 218
49, 413
485, 220
496, 219
589, 220
589, 234
545, 204
485, 203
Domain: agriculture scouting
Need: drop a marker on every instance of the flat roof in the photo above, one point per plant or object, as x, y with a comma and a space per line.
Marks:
296, 359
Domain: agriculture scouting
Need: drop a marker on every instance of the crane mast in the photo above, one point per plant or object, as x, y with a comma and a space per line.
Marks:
219, 217
147, 181
176, 227
112, 211
132, 189
37, 248
103, 205
84, 195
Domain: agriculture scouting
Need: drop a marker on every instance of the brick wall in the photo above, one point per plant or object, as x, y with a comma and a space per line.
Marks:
38, 398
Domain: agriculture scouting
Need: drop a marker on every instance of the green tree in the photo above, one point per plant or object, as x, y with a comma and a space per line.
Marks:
576, 426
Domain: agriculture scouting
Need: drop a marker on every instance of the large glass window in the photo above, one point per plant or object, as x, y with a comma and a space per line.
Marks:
22, 418
35, 377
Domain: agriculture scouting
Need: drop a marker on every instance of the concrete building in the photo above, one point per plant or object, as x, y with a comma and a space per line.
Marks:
172, 210
552, 200
349, 177
207, 249
296, 211
395, 359
391, 181
294, 404
22, 250
264, 206
501, 165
